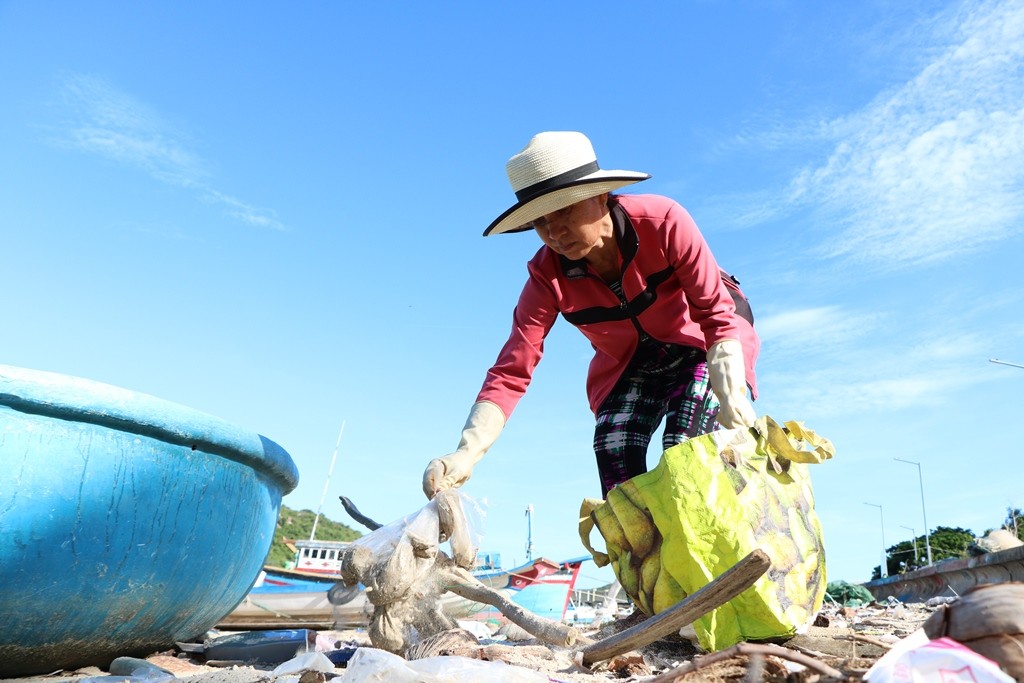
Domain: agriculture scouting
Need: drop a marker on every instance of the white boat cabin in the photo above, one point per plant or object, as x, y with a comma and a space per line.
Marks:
319, 557
324, 557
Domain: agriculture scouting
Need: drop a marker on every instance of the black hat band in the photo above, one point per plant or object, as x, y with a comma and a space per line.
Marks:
528, 193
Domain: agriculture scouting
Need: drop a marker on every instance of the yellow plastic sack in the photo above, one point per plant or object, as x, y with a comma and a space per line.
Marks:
710, 502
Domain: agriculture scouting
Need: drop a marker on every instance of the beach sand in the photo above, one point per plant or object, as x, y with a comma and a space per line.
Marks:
847, 639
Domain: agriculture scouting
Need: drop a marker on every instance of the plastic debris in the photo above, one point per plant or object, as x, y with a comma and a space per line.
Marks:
478, 629
398, 562
132, 670
849, 594
371, 665
919, 660
308, 661
268, 647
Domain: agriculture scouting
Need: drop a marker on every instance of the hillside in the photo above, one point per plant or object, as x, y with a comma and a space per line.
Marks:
296, 525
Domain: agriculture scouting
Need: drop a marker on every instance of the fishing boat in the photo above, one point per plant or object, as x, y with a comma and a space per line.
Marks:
127, 523
283, 598
542, 586
311, 595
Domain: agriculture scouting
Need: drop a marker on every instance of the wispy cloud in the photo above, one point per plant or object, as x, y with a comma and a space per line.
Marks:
810, 330
935, 166
834, 363
102, 120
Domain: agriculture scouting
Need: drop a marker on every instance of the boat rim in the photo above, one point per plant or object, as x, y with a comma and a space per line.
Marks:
77, 399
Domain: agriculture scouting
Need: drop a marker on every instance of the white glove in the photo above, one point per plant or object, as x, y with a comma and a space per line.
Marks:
729, 382
482, 428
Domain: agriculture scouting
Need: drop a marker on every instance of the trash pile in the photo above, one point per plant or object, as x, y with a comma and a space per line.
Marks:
976, 636
405, 572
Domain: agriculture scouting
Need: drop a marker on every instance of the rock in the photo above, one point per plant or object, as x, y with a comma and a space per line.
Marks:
989, 619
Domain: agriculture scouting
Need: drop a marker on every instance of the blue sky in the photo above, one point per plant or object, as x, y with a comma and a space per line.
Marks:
271, 212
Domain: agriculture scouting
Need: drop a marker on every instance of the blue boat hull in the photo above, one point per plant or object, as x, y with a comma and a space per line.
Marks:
126, 522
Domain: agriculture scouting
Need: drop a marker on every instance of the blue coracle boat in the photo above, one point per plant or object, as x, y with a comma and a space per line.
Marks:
127, 522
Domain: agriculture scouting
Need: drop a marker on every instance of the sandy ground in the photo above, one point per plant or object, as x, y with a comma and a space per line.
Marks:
847, 639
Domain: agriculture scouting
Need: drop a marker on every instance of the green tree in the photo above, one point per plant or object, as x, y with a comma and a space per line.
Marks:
950, 542
293, 525
905, 557
947, 542
1014, 521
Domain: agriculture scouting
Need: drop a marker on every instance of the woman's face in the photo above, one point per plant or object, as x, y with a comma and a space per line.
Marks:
578, 229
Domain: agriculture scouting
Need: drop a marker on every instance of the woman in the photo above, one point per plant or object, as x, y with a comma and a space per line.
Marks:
634, 274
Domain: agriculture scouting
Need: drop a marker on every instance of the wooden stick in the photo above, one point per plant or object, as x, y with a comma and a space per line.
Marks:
737, 579
748, 649
464, 584
861, 638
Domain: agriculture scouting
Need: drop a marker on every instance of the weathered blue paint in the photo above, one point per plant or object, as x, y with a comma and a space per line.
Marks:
126, 522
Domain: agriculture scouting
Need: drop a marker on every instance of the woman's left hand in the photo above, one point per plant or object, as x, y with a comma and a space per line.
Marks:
728, 379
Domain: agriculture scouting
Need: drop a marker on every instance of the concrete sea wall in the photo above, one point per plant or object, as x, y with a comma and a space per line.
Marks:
951, 577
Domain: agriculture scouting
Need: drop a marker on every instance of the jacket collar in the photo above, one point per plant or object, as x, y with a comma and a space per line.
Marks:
625, 237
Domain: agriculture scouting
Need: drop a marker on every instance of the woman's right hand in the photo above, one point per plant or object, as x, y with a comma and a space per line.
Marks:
482, 428
447, 472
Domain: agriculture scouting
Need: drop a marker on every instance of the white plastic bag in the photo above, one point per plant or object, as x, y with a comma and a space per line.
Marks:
370, 665
915, 659
307, 661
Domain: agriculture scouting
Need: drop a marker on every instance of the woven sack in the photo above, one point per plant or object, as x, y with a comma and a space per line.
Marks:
711, 501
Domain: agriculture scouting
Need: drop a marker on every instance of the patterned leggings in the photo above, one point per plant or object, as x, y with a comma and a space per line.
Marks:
664, 381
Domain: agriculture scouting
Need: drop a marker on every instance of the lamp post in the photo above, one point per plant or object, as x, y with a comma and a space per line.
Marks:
913, 535
882, 571
1003, 362
924, 513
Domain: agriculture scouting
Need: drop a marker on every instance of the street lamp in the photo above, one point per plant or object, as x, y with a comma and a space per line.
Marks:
913, 535
882, 571
1003, 362
924, 513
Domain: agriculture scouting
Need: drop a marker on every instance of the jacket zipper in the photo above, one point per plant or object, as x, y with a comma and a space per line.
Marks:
624, 305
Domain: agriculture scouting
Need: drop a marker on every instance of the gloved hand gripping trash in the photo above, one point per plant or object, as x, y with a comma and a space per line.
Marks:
482, 428
729, 381
397, 564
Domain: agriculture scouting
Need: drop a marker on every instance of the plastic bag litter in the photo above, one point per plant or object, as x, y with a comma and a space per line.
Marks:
479, 629
421, 532
307, 661
849, 594
916, 659
397, 564
370, 665
711, 501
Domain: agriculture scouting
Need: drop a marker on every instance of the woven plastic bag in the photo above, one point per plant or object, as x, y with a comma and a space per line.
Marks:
710, 502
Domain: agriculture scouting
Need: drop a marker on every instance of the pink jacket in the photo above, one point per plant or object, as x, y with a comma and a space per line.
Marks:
673, 287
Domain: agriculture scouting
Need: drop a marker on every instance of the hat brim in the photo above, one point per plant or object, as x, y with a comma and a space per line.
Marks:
521, 214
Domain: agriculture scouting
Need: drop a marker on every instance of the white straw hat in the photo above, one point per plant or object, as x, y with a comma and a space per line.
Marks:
555, 170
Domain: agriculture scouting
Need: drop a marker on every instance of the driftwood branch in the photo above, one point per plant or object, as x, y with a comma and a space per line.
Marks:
868, 640
724, 588
355, 514
464, 584
748, 649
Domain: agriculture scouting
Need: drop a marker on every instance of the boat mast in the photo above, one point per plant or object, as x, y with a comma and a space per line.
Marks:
529, 532
334, 457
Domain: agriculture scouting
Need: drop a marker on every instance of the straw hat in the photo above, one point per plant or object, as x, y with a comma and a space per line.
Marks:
555, 170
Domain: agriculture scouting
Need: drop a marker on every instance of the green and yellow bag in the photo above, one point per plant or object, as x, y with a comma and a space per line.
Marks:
710, 502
